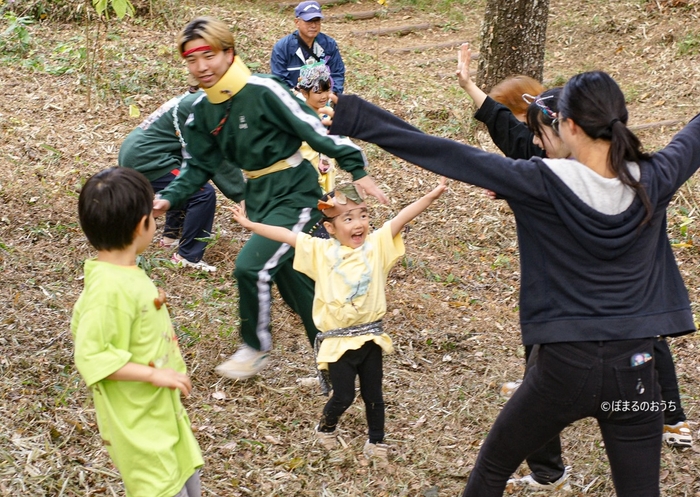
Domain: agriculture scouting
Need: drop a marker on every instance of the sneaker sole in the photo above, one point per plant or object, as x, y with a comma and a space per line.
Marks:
233, 374
676, 440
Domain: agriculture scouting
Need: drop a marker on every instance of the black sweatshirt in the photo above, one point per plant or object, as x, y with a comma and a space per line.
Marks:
585, 275
510, 135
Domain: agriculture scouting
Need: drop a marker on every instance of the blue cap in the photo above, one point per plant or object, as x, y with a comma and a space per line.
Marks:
308, 10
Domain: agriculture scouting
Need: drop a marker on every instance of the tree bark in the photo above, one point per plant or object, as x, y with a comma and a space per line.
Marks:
513, 37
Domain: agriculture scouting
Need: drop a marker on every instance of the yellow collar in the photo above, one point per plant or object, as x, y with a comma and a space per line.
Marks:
230, 83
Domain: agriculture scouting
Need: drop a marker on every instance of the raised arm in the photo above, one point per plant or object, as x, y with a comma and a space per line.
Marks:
465, 79
276, 233
409, 212
510, 179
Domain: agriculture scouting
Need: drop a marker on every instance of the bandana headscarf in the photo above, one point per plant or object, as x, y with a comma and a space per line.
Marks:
311, 75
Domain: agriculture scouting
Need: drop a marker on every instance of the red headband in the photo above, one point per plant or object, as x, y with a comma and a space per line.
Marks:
201, 48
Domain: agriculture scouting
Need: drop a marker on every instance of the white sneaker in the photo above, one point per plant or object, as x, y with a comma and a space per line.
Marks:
245, 363
328, 440
678, 435
377, 453
168, 243
529, 482
180, 261
509, 388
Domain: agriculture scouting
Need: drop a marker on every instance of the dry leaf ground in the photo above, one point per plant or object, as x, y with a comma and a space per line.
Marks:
452, 300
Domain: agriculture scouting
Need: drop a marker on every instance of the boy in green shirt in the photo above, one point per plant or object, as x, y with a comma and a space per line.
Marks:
125, 346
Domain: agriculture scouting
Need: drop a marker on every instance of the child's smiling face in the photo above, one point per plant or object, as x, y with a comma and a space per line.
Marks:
316, 100
350, 228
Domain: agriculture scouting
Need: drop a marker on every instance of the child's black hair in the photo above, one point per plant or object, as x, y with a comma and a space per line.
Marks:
112, 204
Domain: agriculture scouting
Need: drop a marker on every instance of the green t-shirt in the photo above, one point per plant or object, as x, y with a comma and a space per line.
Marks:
145, 429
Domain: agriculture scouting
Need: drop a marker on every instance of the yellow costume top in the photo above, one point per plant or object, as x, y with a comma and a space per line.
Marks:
350, 286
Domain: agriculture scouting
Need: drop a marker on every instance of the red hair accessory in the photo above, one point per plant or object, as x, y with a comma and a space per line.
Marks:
201, 48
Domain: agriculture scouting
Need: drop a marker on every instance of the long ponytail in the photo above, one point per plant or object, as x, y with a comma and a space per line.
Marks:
596, 103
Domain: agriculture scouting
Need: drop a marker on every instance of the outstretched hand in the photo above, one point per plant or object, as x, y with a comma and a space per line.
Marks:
464, 76
239, 215
326, 113
463, 59
371, 188
438, 190
491, 194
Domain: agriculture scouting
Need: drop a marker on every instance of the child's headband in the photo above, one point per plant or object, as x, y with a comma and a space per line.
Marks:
311, 75
345, 197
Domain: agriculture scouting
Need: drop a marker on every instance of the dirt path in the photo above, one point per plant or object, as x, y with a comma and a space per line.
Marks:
453, 301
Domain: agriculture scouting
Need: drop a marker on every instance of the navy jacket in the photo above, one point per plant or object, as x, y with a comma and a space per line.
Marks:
288, 57
585, 275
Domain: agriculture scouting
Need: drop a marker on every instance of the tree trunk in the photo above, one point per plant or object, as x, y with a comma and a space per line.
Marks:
513, 38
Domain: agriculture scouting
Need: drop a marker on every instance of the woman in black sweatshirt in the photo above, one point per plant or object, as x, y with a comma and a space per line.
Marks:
538, 138
598, 276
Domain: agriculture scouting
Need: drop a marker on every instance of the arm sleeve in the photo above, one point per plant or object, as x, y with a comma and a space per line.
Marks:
229, 179
296, 115
305, 255
337, 67
392, 248
511, 136
205, 158
278, 62
509, 178
679, 160
102, 338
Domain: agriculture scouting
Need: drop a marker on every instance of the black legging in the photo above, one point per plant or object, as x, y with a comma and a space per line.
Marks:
546, 463
365, 362
568, 382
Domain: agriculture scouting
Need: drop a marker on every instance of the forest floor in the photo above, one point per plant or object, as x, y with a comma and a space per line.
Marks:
452, 300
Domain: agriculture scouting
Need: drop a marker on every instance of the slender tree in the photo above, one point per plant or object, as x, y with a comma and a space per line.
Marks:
512, 40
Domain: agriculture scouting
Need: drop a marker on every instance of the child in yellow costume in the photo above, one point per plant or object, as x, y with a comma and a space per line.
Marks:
350, 272
315, 85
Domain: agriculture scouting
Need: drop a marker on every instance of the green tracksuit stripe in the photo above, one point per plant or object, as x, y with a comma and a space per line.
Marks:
262, 330
292, 104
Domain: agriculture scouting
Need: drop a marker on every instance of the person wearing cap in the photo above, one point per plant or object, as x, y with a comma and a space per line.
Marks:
307, 45
350, 271
257, 124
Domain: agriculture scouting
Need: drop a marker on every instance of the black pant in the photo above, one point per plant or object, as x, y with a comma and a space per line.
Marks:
572, 381
546, 463
365, 362
193, 222
669, 382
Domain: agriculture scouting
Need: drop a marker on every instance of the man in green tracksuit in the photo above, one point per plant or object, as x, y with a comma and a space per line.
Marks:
256, 123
